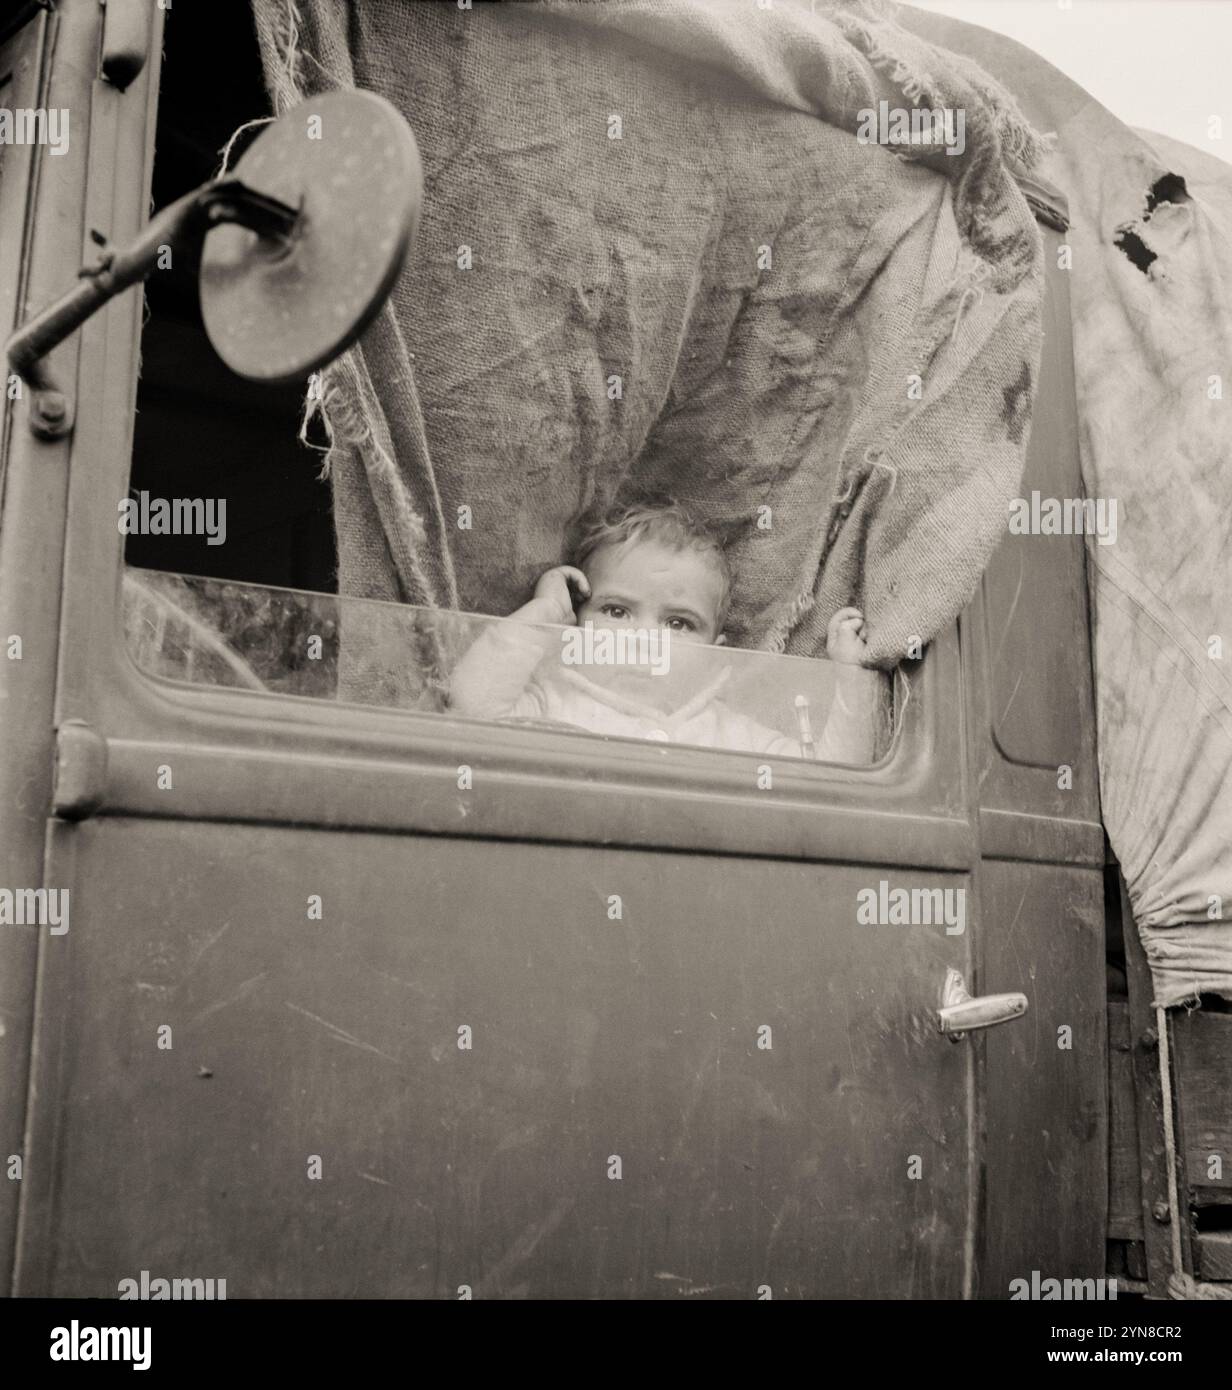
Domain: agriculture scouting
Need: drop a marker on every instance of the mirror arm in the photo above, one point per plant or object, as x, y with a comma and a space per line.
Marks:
176, 228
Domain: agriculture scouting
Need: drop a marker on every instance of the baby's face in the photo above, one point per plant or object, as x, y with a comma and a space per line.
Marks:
647, 585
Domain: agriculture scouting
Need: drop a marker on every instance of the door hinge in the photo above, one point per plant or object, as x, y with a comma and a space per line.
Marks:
80, 779
126, 40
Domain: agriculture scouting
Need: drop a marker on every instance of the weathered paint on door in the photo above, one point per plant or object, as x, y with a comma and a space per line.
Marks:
746, 1157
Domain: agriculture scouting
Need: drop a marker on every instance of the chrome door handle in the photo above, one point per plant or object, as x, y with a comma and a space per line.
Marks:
960, 1014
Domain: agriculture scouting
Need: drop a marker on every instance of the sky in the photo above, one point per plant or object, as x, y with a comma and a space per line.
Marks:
1162, 65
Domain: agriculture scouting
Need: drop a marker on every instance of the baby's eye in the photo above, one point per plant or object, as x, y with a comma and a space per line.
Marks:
681, 625
614, 610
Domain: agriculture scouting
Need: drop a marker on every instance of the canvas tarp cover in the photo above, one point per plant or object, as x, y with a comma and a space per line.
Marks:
1151, 297
725, 297
743, 384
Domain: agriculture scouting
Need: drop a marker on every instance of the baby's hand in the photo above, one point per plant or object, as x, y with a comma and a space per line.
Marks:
553, 603
846, 639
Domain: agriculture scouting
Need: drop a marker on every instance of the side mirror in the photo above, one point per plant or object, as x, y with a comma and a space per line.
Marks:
302, 244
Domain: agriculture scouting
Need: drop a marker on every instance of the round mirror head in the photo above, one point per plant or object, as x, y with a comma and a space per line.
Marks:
277, 308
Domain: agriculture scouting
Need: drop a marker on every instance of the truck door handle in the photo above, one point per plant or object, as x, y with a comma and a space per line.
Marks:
960, 1014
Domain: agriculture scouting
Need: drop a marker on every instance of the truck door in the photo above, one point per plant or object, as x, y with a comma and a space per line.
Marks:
1029, 685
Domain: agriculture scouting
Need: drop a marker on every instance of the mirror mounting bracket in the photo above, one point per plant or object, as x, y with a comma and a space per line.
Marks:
178, 226
292, 277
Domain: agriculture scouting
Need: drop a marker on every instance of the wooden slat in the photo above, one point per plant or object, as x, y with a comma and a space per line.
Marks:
1215, 1256
1124, 1178
1203, 1065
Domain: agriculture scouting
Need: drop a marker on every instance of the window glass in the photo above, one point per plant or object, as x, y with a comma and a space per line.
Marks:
615, 684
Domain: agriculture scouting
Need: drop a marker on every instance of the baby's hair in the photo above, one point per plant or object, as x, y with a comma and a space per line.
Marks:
654, 518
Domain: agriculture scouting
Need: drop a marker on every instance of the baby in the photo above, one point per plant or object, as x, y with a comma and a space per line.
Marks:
649, 570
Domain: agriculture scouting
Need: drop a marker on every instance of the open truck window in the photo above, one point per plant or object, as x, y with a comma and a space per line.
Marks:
231, 567
225, 634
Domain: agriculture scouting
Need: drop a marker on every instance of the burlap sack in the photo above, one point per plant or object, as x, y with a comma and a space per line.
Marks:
654, 252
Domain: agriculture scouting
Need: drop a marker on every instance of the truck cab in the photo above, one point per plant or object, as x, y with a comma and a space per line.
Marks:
357, 1000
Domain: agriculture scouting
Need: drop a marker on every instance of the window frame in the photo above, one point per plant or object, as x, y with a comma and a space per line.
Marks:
259, 756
